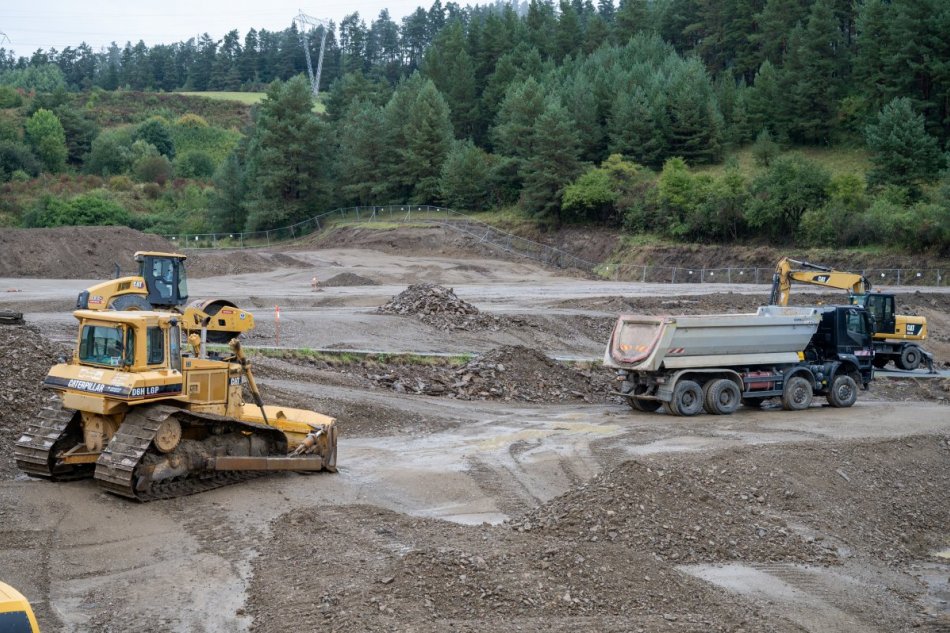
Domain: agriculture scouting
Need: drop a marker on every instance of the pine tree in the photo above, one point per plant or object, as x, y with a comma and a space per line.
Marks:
226, 203
288, 158
361, 162
450, 67
553, 163
466, 177
511, 136
636, 130
695, 123
901, 150
428, 133
811, 76
568, 36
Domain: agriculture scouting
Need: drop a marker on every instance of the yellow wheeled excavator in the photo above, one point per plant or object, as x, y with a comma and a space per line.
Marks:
151, 418
162, 284
896, 336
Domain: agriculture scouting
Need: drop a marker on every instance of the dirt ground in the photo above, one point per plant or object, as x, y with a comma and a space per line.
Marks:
493, 489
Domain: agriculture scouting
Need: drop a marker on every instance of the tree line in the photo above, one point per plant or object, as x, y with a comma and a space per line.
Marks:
562, 109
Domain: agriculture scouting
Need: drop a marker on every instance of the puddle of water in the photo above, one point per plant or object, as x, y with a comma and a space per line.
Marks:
499, 441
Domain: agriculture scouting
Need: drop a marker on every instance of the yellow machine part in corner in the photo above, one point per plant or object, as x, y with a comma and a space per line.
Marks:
16, 615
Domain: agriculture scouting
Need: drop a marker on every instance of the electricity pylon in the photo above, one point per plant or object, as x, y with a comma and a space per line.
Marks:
303, 21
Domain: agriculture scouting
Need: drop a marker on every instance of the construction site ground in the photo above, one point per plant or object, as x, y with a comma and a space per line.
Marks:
487, 487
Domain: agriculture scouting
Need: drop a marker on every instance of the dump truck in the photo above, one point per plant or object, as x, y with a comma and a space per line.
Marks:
897, 337
150, 415
688, 364
162, 284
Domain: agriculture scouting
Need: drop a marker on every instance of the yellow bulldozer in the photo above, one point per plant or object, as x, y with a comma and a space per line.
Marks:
896, 336
162, 284
152, 414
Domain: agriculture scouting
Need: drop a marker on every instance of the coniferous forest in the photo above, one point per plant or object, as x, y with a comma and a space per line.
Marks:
693, 120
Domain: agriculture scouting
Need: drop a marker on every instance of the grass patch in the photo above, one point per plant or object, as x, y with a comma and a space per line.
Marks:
247, 98
837, 160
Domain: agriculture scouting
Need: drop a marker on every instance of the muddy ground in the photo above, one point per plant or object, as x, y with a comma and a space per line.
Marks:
493, 488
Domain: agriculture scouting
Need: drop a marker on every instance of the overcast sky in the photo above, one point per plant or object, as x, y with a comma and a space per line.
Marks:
32, 24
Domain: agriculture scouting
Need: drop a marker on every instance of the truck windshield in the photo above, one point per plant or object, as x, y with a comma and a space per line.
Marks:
103, 345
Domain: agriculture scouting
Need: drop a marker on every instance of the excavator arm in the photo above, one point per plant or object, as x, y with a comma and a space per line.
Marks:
789, 270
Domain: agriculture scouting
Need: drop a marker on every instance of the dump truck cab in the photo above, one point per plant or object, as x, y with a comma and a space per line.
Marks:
845, 336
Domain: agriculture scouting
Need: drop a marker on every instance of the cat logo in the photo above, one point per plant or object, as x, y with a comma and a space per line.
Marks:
822, 279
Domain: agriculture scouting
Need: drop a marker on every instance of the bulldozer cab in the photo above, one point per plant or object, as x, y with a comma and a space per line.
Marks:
165, 279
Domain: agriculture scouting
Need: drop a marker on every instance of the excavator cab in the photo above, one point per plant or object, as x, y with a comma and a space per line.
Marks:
881, 308
165, 279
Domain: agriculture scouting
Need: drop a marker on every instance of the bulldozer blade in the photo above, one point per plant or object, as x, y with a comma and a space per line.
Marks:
236, 462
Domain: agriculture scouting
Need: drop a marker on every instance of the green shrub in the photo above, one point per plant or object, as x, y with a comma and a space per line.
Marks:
110, 153
20, 176
152, 190
195, 164
156, 169
91, 209
10, 98
47, 138
190, 120
216, 142
15, 156
120, 183
155, 131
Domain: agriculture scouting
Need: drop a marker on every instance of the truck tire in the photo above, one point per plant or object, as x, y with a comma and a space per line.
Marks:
910, 358
687, 398
721, 396
130, 302
843, 391
797, 394
642, 404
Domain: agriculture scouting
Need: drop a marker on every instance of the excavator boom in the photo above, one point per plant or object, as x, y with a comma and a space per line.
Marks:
789, 270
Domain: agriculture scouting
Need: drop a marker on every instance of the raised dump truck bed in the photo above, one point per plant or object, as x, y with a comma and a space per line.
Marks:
690, 363
771, 335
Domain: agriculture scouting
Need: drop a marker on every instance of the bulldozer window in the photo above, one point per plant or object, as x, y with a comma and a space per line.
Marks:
155, 344
101, 344
174, 347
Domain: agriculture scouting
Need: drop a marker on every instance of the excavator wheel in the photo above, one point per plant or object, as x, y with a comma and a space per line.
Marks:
910, 358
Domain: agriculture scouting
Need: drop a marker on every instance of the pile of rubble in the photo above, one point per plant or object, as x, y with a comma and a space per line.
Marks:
681, 512
439, 307
27, 356
511, 372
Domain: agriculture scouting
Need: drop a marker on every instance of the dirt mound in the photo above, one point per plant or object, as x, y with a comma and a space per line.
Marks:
682, 512
348, 279
377, 570
75, 252
217, 263
27, 356
439, 307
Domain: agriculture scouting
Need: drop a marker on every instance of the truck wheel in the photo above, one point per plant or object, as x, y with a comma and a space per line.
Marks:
688, 397
130, 302
843, 392
721, 397
910, 358
797, 394
640, 404
637, 404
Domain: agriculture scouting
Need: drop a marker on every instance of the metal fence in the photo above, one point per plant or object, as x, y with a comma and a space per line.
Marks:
748, 275
491, 237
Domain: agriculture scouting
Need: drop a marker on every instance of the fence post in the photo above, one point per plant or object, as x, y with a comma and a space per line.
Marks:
674, 275
267, 233
643, 277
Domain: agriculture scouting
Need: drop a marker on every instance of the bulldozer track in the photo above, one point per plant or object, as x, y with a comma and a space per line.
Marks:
116, 466
35, 451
